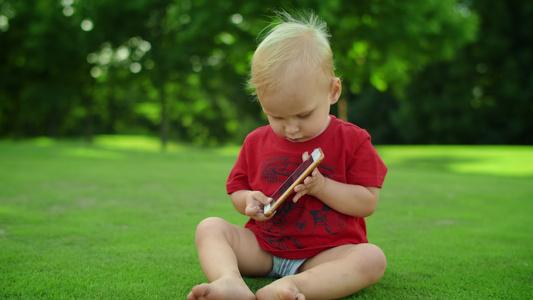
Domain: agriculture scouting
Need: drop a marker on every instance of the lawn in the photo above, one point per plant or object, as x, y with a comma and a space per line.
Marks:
117, 220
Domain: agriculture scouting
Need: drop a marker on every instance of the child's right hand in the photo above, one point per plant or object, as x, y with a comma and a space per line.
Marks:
255, 201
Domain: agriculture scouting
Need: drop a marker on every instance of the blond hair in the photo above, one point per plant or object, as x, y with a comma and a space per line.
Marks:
295, 44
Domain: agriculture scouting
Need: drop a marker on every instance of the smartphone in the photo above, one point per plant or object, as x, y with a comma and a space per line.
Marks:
297, 177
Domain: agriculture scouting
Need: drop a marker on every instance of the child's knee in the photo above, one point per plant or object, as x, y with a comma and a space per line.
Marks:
212, 227
217, 230
376, 262
209, 225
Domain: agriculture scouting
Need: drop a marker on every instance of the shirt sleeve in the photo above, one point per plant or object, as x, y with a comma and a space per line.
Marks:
238, 178
366, 167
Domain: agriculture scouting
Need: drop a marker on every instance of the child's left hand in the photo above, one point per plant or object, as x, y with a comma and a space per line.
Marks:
312, 184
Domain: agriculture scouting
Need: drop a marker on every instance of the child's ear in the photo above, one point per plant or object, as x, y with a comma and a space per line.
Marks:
335, 90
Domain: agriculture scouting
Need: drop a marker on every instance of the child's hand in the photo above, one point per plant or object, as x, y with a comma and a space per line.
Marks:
312, 184
255, 201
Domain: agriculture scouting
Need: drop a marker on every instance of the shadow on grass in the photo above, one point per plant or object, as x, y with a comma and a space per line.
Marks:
439, 163
257, 283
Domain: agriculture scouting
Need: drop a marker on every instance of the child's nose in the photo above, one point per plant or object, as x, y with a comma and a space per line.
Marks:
292, 127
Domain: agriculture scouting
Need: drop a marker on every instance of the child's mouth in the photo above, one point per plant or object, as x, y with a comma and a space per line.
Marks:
295, 140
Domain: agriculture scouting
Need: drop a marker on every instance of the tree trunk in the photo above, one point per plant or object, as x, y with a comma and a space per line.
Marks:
164, 119
89, 119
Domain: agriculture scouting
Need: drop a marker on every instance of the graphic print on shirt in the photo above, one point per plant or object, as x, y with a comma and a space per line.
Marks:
280, 168
294, 220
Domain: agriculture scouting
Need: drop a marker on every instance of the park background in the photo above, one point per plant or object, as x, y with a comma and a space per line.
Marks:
91, 91
414, 72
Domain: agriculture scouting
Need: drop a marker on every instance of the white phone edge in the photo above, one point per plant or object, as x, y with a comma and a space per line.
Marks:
315, 155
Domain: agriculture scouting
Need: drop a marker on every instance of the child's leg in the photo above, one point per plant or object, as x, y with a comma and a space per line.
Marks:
225, 252
332, 274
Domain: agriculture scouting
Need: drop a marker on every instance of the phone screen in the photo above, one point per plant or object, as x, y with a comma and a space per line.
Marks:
303, 170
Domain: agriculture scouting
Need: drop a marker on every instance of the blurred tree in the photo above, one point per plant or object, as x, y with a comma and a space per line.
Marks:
188, 52
34, 100
385, 42
178, 67
485, 95
380, 45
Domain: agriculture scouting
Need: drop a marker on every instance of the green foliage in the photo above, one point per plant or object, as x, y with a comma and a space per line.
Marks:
385, 42
177, 68
482, 96
485, 94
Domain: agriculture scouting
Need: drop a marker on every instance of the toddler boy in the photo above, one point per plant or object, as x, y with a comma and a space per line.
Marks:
316, 242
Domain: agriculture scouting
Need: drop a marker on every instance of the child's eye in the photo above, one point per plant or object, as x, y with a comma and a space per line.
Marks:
303, 117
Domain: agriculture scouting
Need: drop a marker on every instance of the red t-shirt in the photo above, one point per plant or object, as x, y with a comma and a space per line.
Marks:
307, 227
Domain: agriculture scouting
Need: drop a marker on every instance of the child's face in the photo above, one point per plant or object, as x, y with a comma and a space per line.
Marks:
298, 110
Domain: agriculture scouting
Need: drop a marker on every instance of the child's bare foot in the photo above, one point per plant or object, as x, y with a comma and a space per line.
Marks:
280, 290
222, 289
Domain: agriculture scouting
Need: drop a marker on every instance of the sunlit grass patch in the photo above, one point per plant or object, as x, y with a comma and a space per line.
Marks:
514, 161
134, 142
91, 152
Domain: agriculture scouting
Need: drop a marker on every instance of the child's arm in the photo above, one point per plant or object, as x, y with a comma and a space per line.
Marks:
251, 203
349, 199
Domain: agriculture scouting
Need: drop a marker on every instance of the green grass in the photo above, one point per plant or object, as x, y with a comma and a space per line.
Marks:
117, 220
